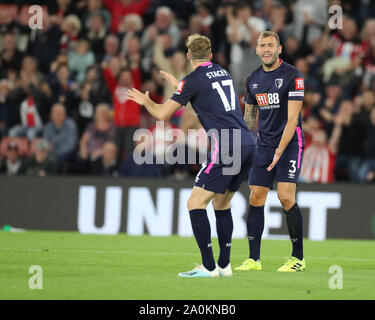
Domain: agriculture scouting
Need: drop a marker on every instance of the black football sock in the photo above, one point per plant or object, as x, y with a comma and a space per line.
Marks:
295, 227
202, 232
224, 227
255, 227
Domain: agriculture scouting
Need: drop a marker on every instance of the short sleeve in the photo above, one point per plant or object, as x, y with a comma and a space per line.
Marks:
249, 98
184, 92
296, 87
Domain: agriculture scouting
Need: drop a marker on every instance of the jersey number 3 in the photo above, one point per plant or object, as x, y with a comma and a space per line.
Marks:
226, 83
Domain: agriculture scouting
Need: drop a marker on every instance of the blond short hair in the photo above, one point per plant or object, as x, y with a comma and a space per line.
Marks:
199, 47
266, 34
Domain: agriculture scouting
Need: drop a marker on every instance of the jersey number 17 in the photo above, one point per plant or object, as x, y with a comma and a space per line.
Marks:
226, 83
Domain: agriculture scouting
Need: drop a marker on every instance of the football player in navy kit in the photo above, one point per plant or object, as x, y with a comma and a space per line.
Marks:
275, 91
210, 90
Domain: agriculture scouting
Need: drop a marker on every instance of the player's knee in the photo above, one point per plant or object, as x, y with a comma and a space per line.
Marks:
220, 205
191, 204
286, 199
195, 203
257, 199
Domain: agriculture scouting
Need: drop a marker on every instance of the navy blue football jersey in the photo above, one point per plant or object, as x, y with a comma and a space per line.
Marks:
210, 90
271, 92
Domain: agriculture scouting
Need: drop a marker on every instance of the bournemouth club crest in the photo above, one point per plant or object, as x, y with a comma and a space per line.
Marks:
278, 83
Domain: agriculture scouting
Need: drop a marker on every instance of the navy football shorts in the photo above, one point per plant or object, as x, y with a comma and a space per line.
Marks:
287, 169
212, 178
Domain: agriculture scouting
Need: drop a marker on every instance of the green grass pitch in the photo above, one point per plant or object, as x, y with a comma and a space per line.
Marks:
77, 266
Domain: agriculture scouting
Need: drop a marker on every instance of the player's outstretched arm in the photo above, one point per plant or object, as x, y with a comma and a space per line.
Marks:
159, 111
294, 108
250, 115
173, 82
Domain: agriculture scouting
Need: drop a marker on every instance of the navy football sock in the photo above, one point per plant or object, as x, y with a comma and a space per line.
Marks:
255, 227
202, 232
224, 227
295, 227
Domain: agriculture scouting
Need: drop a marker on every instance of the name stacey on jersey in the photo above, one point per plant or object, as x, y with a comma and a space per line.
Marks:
218, 73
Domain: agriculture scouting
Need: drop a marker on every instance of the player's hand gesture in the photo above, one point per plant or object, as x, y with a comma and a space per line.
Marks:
137, 96
171, 79
276, 158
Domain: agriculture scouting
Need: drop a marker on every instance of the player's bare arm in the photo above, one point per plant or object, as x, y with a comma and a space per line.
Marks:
159, 111
294, 109
250, 115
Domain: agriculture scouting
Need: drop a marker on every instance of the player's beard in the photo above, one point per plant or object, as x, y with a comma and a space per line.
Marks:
272, 62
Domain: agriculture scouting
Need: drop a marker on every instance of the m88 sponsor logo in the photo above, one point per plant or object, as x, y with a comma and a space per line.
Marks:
265, 99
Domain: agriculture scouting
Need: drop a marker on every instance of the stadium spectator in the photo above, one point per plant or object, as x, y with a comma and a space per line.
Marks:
96, 8
13, 163
206, 18
111, 47
163, 24
351, 143
71, 27
44, 44
95, 136
366, 104
126, 112
330, 102
61, 8
291, 50
28, 108
220, 45
348, 49
366, 172
320, 155
63, 88
43, 162
309, 19
96, 33
310, 125
4, 92
177, 65
107, 164
92, 91
122, 8
61, 132
132, 53
99, 91
369, 61
11, 57
132, 25
242, 32
80, 60
30, 67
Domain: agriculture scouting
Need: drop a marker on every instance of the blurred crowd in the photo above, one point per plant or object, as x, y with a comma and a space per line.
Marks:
63, 104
